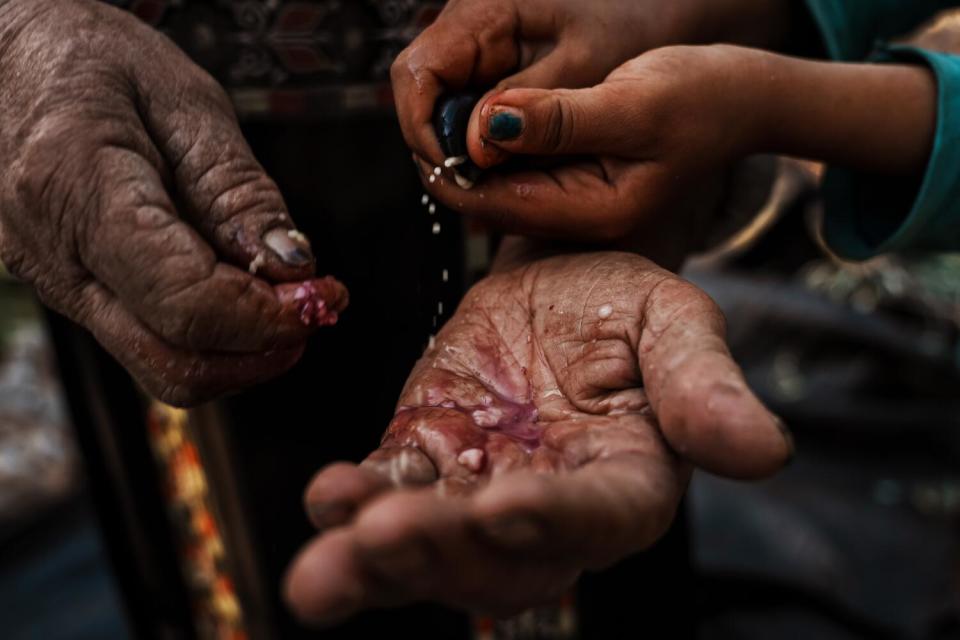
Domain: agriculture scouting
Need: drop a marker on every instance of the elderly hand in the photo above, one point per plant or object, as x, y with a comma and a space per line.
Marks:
131, 202
547, 432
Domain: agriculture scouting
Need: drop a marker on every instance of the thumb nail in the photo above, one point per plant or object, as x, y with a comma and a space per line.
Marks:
505, 123
291, 245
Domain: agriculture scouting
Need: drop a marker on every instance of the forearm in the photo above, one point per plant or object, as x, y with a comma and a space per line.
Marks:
876, 118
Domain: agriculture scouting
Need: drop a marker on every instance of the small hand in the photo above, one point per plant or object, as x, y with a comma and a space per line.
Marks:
529, 43
133, 205
548, 44
537, 439
637, 160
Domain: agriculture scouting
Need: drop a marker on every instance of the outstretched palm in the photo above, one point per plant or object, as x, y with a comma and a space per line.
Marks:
536, 439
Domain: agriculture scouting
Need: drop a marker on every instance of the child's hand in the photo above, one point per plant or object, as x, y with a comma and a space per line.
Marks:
479, 44
627, 153
634, 160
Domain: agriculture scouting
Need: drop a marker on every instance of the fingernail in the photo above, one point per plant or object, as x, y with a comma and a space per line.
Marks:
514, 531
291, 245
505, 124
788, 436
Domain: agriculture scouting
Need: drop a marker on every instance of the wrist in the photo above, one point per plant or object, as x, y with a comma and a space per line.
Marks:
843, 114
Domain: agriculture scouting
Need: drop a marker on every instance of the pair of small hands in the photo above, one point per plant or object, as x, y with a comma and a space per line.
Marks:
549, 431
639, 133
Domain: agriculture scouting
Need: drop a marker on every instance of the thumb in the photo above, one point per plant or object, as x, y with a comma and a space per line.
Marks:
547, 123
706, 411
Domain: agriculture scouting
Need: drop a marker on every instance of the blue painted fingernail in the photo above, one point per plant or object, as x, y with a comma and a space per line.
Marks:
506, 124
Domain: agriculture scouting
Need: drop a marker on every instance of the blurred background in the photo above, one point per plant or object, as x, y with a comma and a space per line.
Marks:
122, 518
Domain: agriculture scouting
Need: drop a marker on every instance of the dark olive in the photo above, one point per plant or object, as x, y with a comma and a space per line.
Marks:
450, 120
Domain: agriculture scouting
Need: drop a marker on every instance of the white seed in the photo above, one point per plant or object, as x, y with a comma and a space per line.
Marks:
436, 228
455, 161
425, 200
472, 459
432, 178
440, 308
437, 171
433, 342
446, 276
462, 182
432, 209
605, 311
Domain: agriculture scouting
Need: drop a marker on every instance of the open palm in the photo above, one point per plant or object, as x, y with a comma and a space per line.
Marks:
549, 430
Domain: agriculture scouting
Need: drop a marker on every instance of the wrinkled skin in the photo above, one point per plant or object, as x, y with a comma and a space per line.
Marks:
131, 202
537, 439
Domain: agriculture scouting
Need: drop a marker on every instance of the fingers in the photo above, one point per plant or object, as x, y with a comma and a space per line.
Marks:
471, 44
414, 546
177, 377
339, 490
589, 518
706, 411
223, 191
586, 200
165, 273
326, 582
596, 121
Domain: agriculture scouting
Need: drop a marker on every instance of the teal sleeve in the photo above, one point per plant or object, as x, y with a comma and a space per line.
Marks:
851, 28
867, 215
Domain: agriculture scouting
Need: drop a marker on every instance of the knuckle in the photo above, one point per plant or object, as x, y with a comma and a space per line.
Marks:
202, 84
560, 125
398, 69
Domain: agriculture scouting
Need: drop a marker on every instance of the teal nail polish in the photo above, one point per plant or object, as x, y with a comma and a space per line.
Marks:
505, 126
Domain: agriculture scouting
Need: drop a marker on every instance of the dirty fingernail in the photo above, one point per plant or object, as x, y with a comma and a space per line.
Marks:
291, 245
514, 531
505, 124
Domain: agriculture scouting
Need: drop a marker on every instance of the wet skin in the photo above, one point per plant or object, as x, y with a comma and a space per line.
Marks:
539, 438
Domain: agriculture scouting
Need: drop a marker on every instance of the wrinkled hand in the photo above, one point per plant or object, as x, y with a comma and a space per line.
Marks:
132, 203
631, 160
534, 441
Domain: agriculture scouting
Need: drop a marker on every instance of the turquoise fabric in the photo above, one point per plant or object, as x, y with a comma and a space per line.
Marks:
869, 215
851, 28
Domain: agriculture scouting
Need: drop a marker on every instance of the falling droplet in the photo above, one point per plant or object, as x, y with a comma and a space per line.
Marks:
436, 228
432, 209
440, 308
446, 276
425, 200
